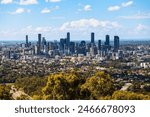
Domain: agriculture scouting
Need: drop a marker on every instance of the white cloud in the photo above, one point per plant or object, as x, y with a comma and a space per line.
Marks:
139, 31
45, 10
43, 29
20, 11
6, 1
28, 2
34, 30
137, 16
118, 7
87, 8
126, 4
52, 0
114, 8
141, 27
88, 23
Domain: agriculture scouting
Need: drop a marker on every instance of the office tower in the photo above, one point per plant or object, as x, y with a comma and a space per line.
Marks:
68, 40
76, 47
116, 43
82, 48
88, 46
107, 40
43, 41
39, 44
99, 44
72, 47
39, 38
27, 43
62, 44
56, 45
45, 49
92, 49
92, 37
50, 46
36, 50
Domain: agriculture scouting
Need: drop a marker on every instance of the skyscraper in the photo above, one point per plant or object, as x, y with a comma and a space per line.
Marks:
39, 44
27, 43
43, 41
116, 43
72, 47
99, 44
62, 44
107, 40
68, 40
39, 39
92, 37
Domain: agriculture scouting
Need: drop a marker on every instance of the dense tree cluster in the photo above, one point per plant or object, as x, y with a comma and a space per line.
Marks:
5, 92
97, 86
77, 85
63, 86
31, 86
125, 95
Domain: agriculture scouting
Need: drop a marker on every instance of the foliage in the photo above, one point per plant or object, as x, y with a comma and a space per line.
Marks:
23, 97
97, 86
125, 95
78, 85
56, 88
31, 86
135, 87
63, 86
5, 92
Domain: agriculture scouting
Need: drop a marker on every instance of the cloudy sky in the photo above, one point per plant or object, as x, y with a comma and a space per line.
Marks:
129, 19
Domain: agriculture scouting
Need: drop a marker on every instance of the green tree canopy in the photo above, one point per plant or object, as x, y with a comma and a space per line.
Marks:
63, 86
98, 86
5, 92
125, 95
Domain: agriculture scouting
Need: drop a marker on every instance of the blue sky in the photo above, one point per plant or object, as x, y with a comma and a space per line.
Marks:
129, 19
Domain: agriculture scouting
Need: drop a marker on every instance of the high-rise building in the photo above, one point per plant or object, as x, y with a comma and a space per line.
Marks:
27, 43
72, 47
50, 46
92, 37
43, 41
62, 44
39, 39
99, 44
68, 40
39, 44
116, 43
82, 48
35, 49
107, 40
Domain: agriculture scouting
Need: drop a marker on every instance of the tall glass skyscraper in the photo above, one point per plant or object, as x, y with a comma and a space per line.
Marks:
68, 40
92, 37
116, 43
107, 40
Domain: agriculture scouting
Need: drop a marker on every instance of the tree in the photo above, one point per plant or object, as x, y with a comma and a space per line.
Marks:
125, 95
135, 87
63, 86
97, 86
5, 92
31, 86
56, 88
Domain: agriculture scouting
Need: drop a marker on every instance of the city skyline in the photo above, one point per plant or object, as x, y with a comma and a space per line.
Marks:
130, 19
